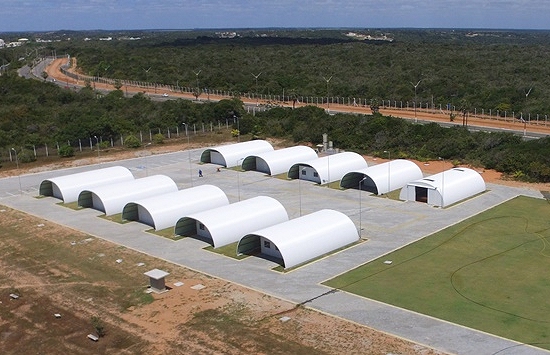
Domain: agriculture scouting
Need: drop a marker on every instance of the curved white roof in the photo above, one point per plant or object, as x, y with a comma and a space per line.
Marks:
164, 210
227, 224
230, 155
383, 178
447, 187
68, 187
305, 238
278, 161
112, 198
331, 167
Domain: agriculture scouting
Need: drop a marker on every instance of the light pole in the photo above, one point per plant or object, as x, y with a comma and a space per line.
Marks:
188, 153
18, 171
415, 86
197, 76
300, 170
97, 143
327, 80
389, 163
235, 117
442, 183
239, 179
146, 163
360, 207
256, 77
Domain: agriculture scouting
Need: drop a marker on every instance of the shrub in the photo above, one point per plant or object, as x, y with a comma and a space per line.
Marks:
132, 142
26, 156
158, 138
66, 151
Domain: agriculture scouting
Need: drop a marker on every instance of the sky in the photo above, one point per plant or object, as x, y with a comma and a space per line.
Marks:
49, 15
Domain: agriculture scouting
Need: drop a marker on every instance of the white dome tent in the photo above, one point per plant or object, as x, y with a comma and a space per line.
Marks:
68, 187
278, 161
382, 178
112, 198
163, 211
301, 239
327, 169
445, 188
227, 224
230, 155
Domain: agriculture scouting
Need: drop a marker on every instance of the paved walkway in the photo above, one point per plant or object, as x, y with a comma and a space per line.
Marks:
387, 224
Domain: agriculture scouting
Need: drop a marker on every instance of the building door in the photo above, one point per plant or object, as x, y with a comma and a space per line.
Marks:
421, 194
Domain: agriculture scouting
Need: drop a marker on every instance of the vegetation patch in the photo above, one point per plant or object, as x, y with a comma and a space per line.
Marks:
489, 272
167, 233
229, 250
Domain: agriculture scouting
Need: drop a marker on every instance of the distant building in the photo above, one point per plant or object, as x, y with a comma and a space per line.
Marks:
2, 43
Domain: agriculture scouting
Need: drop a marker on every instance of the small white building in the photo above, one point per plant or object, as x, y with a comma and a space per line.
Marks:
327, 169
278, 161
445, 188
382, 178
301, 239
112, 198
231, 155
68, 187
227, 224
163, 211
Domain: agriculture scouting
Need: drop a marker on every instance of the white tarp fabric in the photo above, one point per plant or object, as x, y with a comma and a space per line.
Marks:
112, 198
163, 211
445, 188
278, 161
227, 224
383, 178
327, 169
231, 155
302, 239
68, 187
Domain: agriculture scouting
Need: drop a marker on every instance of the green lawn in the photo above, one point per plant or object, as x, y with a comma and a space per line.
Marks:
490, 272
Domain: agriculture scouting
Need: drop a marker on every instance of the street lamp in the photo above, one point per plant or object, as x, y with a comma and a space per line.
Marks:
97, 143
239, 179
327, 80
442, 183
300, 187
18, 171
415, 86
256, 77
188, 153
389, 163
360, 207
146, 163
235, 117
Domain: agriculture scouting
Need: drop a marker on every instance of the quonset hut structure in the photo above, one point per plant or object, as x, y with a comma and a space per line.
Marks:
112, 198
301, 239
163, 211
327, 169
227, 224
230, 155
68, 187
445, 188
382, 178
278, 161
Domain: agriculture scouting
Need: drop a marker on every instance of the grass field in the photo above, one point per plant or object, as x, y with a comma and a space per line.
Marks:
490, 272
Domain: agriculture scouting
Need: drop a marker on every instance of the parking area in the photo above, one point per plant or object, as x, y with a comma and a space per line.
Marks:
386, 225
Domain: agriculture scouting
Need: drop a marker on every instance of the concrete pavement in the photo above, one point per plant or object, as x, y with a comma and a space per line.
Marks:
387, 224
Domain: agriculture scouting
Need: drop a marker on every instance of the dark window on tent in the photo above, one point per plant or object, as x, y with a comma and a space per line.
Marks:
267, 244
201, 226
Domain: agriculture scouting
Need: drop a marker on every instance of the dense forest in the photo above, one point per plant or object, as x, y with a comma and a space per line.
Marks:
485, 69
497, 70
